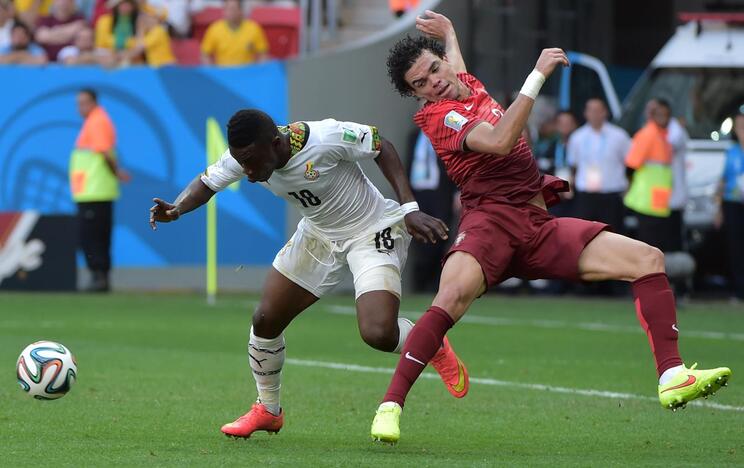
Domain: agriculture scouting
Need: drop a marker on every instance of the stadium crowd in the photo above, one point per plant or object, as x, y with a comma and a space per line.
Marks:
115, 33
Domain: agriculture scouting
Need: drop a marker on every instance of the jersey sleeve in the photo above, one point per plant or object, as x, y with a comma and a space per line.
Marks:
356, 142
260, 42
209, 42
447, 124
222, 173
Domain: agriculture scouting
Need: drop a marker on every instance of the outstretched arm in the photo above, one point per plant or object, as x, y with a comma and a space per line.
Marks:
421, 226
499, 139
193, 196
440, 28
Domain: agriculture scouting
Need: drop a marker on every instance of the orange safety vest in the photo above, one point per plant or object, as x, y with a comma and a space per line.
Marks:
403, 5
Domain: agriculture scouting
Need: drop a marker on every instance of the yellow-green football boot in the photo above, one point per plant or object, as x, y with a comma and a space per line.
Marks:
386, 425
690, 384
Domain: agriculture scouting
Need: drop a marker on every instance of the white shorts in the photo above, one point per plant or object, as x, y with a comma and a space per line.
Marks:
375, 258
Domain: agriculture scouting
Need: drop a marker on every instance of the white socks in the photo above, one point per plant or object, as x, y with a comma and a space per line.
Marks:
267, 358
668, 374
405, 326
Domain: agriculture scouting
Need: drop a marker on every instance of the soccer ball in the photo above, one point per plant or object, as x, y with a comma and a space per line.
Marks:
46, 370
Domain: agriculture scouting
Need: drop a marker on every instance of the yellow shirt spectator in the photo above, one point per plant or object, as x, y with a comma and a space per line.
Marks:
158, 47
105, 35
240, 46
22, 6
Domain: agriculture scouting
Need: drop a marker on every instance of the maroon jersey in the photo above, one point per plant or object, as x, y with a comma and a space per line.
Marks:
512, 179
50, 22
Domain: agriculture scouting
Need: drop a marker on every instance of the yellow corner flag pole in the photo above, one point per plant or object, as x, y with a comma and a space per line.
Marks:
215, 146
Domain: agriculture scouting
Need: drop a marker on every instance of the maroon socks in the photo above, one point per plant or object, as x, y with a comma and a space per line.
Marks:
422, 344
654, 302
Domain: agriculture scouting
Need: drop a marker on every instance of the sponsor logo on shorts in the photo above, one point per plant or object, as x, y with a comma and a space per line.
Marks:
310, 173
460, 238
286, 247
454, 121
497, 113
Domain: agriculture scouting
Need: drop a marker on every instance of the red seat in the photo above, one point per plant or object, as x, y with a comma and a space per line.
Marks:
187, 51
99, 9
200, 21
282, 26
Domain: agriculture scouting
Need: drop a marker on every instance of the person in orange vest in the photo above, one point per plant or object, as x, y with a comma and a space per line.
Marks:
400, 7
650, 159
94, 183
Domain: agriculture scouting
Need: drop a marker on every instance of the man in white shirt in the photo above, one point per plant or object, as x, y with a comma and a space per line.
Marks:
597, 153
347, 225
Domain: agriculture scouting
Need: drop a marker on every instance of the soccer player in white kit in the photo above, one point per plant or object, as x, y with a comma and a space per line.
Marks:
347, 225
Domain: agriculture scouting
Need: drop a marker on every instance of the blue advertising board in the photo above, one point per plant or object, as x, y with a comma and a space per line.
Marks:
160, 117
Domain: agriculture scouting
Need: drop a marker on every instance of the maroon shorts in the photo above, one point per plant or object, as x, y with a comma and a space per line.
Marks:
523, 241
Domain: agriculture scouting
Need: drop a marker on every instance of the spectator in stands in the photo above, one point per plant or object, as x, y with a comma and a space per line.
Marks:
542, 136
554, 160
177, 15
94, 184
732, 208
29, 11
116, 31
83, 51
597, 152
7, 20
436, 194
22, 50
55, 31
650, 159
153, 41
85, 8
234, 40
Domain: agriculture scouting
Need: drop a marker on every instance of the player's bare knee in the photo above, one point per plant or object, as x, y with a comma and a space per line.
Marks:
263, 325
650, 260
380, 336
453, 298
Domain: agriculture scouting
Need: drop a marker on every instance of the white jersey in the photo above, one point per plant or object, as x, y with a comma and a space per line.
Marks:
322, 179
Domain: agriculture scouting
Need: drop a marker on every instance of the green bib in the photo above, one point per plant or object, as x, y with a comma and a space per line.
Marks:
650, 190
90, 177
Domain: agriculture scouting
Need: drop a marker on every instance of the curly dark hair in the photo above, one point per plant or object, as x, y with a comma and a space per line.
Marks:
248, 126
403, 54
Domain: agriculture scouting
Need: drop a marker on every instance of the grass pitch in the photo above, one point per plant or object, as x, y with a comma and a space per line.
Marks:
556, 382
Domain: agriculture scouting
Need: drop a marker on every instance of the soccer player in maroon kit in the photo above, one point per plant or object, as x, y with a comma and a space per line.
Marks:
505, 229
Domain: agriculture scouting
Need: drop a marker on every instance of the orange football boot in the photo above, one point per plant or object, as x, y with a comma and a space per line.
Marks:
451, 369
257, 419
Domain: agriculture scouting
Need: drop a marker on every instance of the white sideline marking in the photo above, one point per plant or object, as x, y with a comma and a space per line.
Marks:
505, 383
591, 326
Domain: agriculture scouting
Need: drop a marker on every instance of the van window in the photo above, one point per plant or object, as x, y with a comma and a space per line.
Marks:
585, 84
703, 98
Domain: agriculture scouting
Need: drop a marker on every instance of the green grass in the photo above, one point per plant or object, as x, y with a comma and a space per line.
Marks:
159, 374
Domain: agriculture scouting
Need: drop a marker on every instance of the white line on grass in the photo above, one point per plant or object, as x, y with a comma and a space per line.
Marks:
591, 326
505, 383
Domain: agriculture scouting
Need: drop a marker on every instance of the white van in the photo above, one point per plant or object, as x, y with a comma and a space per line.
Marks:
700, 71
